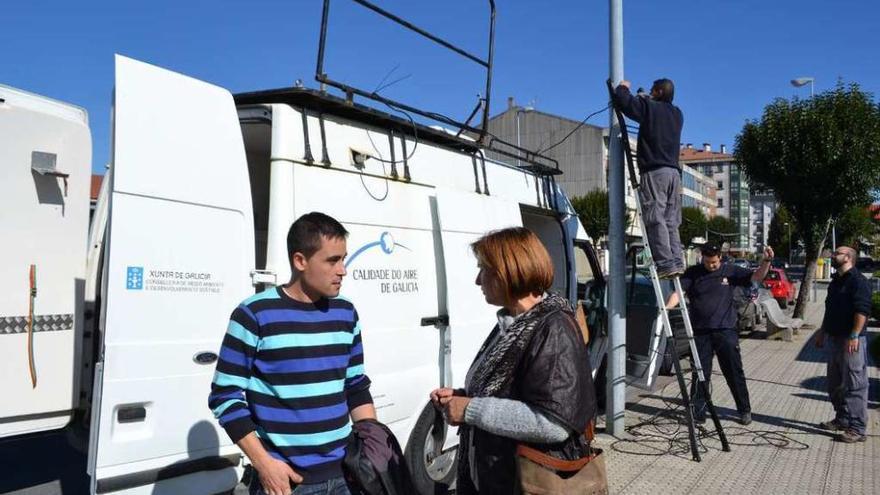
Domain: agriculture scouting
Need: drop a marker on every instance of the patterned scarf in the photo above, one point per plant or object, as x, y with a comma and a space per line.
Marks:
494, 374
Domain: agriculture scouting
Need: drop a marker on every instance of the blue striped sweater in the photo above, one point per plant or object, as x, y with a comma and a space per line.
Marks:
291, 372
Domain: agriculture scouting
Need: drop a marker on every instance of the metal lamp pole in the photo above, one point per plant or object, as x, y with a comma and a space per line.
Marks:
616, 370
803, 81
518, 145
789, 242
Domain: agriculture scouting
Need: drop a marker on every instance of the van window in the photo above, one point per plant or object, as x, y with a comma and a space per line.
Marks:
582, 264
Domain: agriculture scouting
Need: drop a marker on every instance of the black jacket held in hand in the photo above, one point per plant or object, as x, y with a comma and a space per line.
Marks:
374, 463
660, 126
554, 375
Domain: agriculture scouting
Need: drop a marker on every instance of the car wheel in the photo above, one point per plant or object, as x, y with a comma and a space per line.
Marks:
433, 471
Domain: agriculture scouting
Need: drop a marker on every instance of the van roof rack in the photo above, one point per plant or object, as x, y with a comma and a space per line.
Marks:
535, 162
322, 102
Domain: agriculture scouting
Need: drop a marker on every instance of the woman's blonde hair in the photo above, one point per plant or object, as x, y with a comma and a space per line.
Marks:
519, 260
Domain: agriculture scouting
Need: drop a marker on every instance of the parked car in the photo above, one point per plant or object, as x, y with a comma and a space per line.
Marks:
741, 262
749, 311
779, 263
866, 264
780, 287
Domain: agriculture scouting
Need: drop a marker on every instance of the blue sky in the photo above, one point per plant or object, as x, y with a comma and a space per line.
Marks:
728, 58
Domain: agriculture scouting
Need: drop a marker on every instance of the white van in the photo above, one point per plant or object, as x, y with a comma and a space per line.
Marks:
192, 218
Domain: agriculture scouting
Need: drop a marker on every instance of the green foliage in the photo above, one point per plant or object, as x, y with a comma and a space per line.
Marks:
854, 224
693, 224
824, 147
820, 156
875, 305
722, 229
592, 209
777, 237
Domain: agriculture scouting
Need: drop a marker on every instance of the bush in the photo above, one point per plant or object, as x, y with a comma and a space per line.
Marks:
876, 274
875, 306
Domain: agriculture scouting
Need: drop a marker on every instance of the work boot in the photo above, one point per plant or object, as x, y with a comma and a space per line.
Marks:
670, 273
851, 436
745, 418
833, 425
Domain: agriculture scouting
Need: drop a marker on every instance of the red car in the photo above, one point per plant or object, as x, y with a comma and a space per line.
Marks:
780, 287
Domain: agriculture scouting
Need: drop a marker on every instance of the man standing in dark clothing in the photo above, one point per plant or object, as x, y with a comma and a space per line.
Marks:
847, 306
660, 124
710, 288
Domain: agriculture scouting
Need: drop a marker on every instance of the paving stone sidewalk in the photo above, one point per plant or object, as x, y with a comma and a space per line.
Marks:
781, 452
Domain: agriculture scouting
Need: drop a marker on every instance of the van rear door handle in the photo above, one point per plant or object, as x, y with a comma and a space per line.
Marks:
436, 321
131, 414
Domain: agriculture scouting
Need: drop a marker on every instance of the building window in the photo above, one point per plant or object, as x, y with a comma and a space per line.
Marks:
720, 202
720, 185
719, 168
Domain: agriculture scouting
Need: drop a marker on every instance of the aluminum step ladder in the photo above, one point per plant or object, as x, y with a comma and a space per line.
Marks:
702, 383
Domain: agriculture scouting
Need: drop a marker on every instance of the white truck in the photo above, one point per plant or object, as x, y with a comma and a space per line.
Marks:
127, 320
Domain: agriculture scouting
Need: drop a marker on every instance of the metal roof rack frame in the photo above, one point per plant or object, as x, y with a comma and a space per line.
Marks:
538, 164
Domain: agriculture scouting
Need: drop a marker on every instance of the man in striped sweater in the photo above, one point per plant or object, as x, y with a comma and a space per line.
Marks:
291, 371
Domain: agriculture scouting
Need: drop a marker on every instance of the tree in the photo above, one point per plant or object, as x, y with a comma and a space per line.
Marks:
853, 225
722, 229
777, 237
592, 209
693, 224
820, 156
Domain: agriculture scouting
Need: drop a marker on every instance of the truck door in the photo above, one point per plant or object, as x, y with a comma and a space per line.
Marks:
464, 218
45, 156
179, 251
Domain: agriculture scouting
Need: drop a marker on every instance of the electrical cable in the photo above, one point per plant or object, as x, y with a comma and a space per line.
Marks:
665, 433
415, 139
581, 124
384, 172
383, 161
720, 234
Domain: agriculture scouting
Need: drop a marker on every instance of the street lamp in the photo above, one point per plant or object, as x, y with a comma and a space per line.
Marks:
520, 110
803, 81
789, 242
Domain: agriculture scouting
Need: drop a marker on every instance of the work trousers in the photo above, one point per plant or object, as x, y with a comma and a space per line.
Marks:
660, 195
723, 343
848, 382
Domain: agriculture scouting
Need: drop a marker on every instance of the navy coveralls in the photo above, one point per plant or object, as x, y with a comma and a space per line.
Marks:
713, 317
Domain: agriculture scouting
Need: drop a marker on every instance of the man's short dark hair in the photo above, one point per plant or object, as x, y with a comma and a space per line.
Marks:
710, 249
305, 234
665, 88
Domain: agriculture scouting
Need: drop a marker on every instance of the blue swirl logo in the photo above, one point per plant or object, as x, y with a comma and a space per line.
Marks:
386, 243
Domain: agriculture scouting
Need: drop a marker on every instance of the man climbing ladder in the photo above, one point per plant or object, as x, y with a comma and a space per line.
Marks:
668, 202
660, 124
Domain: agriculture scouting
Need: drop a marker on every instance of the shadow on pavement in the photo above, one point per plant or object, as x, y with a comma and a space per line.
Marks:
731, 414
45, 464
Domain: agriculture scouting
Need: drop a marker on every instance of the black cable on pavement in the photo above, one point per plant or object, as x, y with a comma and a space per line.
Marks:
665, 433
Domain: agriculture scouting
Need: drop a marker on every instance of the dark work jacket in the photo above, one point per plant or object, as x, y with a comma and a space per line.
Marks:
848, 294
711, 295
374, 463
660, 126
553, 376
